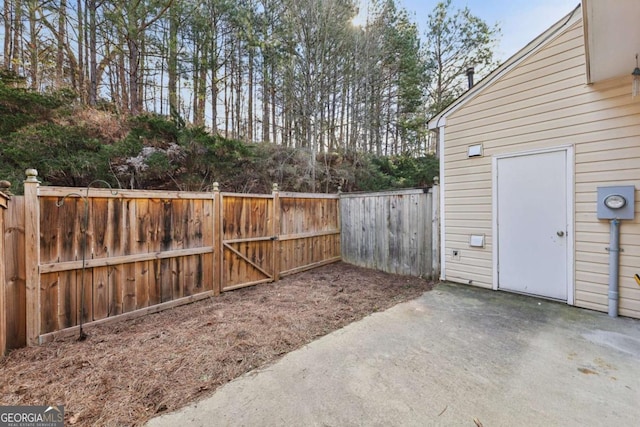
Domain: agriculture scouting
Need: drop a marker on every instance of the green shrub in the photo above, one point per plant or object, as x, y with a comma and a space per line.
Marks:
63, 155
21, 107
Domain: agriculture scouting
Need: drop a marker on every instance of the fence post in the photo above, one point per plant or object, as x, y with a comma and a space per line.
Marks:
218, 249
435, 229
275, 232
339, 218
32, 255
3, 289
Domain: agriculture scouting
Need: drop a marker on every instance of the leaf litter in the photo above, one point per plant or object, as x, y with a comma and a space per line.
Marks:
130, 371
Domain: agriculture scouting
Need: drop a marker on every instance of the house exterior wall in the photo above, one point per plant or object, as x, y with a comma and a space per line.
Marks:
543, 102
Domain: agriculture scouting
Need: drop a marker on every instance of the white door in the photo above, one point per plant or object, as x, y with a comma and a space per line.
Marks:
532, 224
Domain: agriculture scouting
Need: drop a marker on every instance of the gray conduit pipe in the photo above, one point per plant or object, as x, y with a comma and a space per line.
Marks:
614, 262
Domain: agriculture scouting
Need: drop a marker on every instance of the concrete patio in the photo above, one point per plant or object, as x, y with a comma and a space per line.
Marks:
459, 356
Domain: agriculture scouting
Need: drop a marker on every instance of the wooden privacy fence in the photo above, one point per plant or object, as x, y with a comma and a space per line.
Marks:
145, 251
392, 231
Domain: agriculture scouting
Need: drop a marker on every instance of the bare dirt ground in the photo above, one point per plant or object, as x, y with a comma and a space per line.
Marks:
127, 372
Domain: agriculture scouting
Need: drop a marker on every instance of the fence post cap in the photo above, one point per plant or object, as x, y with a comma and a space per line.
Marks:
339, 189
216, 186
274, 186
436, 180
32, 175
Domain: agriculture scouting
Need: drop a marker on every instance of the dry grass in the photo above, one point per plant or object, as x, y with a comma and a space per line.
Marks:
101, 125
128, 372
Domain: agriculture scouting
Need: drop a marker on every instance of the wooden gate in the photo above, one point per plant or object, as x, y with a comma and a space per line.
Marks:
249, 238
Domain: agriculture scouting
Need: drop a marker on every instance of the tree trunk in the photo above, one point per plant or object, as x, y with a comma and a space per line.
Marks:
134, 75
274, 117
196, 83
142, 73
343, 108
122, 77
62, 25
201, 94
172, 66
93, 60
33, 44
17, 36
250, 97
238, 120
214, 70
265, 99
80, 89
8, 32
226, 93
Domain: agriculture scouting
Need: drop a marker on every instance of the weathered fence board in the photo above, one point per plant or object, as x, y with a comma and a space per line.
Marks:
15, 273
3, 304
85, 256
389, 231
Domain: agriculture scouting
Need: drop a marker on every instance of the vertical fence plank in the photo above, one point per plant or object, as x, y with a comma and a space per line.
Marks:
115, 239
176, 239
85, 295
15, 273
142, 246
435, 230
166, 279
243, 229
208, 227
98, 219
32, 255
218, 249
49, 302
142, 284
275, 231
3, 303
194, 239
100, 296
67, 279
130, 247
188, 263
177, 278
50, 230
154, 278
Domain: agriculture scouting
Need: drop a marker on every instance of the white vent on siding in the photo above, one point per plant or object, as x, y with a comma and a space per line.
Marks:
476, 241
475, 150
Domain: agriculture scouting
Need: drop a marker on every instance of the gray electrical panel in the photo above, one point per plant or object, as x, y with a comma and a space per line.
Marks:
616, 202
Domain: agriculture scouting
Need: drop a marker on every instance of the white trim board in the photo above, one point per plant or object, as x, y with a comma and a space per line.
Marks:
443, 232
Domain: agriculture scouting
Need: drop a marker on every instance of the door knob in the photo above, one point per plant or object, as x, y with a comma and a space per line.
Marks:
560, 233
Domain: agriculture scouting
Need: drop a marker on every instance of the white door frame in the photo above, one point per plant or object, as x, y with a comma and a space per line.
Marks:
569, 149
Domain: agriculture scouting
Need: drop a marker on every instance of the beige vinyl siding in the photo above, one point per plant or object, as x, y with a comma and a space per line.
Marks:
541, 103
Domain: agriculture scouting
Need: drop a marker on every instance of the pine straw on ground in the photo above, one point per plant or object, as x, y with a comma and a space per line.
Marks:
127, 372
